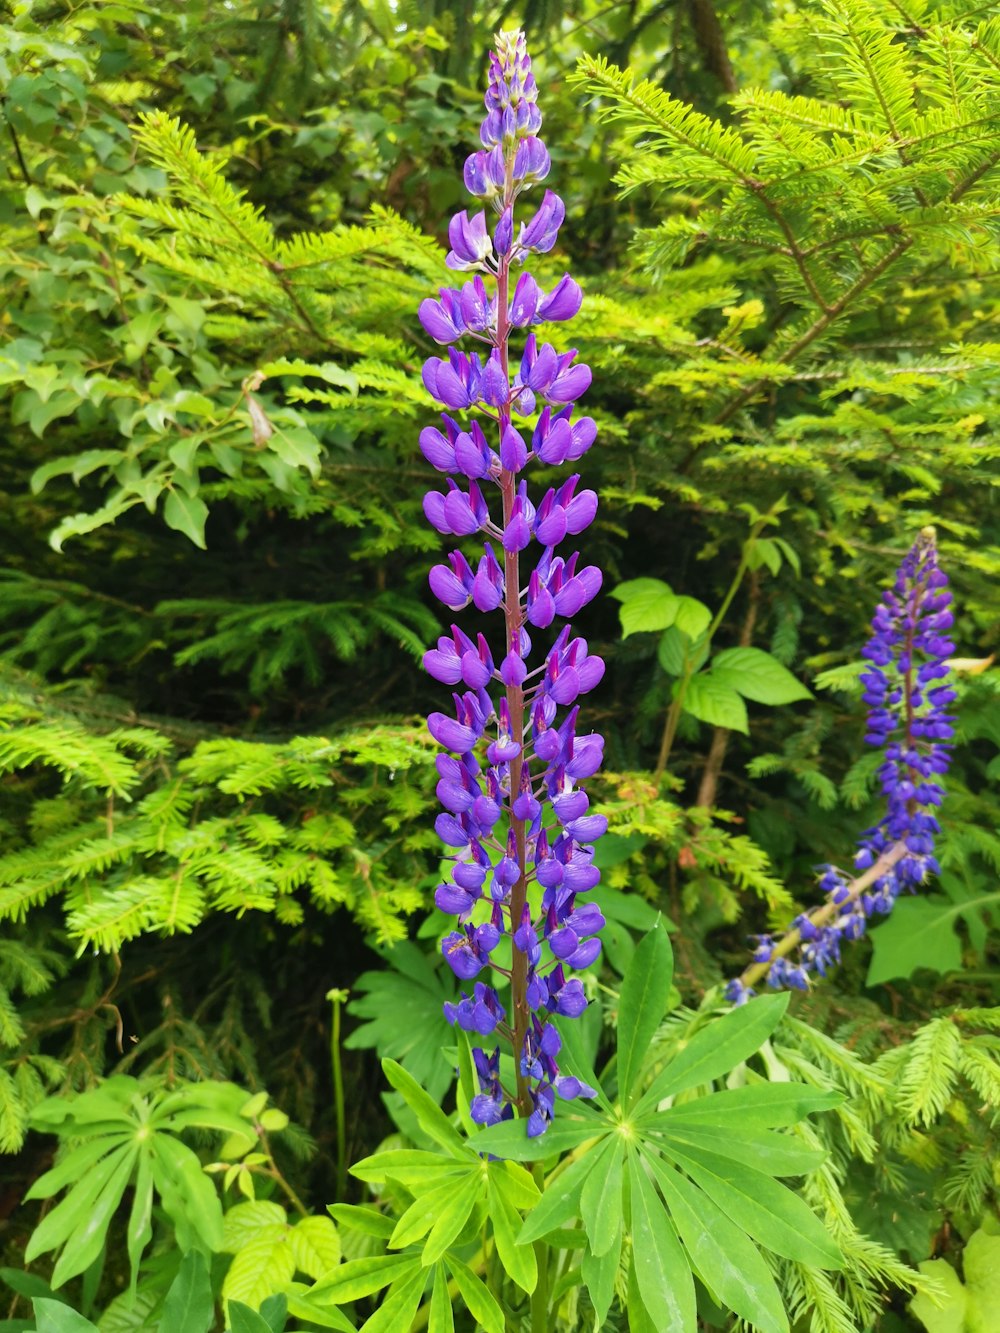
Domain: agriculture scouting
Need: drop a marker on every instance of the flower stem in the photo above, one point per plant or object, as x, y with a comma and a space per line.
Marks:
338, 997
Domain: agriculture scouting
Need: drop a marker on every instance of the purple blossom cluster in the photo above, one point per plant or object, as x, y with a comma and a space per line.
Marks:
516, 822
908, 702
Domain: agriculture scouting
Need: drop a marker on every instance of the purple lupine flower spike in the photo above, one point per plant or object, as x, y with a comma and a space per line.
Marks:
908, 717
515, 822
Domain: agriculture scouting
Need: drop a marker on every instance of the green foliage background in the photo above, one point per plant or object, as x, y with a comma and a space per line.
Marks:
215, 228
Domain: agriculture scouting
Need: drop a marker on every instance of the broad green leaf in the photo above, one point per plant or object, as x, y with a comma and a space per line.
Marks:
661, 1268
646, 604
756, 1106
921, 933
518, 1260
642, 1004
723, 1255
187, 514
275, 1311
244, 1222
432, 1119
243, 1319
315, 1246
361, 1277
55, 1317
757, 676
765, 1210
441, 1315
601, 1195
763, 1149
28, 1285
189, 1303
945, 1312
561, 1199
710, 700
298, 447
478, 1299
692, 617
260, 1268
718, 1047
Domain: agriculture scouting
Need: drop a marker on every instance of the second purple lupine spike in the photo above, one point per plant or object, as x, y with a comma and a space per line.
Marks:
908, 716
517, 827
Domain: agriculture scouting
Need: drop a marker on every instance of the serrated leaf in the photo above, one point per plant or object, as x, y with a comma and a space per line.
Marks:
315, 1246
758, 676
646, 604
710, 700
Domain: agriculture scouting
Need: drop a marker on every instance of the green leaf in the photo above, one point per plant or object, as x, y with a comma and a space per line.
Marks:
187, 514
561, 1199
757, 676
601, 1196
275, 1310
75, 1210
361, 1277
451, 1217
478, 1299
710, 700
692, 617
315, 1246
678, 654
775, 1154
921, 933
756, 1106
431, 1118
599, 1273
298, 447
765, 1210
509, 1139
647, 604
189, 1303
441, 1315
720, 1046
727, 1260
944, 1313
661, 1269
242, 1319
55, 1317
518, 1260
645, 992
140, 1221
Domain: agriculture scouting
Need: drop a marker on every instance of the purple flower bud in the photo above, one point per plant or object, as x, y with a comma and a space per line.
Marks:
563, 302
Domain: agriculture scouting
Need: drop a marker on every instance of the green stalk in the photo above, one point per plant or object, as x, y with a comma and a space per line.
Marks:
338, 997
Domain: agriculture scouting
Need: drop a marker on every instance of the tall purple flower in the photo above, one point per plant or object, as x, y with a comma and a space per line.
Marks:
908, 717
516, 822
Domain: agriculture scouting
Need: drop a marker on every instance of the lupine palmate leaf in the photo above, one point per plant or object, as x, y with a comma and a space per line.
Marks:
775, 1154
662, 1272
432, 1119
765, 1210
718, 1047
757, 1106
600, 1198
477, 1297
441, 1313
399, 1306
560, 1202
728, 1262
518, 1261
644, 995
